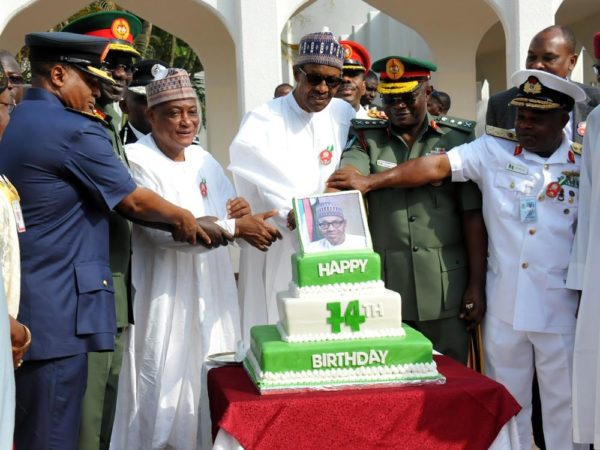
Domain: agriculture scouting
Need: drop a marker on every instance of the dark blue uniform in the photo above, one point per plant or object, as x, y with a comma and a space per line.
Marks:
64, 168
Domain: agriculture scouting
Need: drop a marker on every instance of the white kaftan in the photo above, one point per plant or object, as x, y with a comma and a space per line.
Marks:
185, 306
583, 275
277, 155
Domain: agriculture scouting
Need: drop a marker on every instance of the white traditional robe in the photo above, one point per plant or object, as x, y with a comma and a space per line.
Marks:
185, 306
276, 156
583, 275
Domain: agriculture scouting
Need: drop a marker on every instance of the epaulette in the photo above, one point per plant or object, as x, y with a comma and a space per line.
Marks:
89, 115
456, 122
363, 124
577, 148
501, 133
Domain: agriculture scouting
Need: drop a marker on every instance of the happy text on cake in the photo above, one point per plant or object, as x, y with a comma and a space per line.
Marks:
339, 267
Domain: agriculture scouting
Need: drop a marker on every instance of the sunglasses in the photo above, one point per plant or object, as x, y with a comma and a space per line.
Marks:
407, 99
315, 80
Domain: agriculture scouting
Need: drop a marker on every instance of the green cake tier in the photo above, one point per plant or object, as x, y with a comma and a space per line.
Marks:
275, 364
348, 266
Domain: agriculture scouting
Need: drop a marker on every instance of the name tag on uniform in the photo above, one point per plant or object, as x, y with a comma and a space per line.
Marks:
386, 164
528, 209
517, 168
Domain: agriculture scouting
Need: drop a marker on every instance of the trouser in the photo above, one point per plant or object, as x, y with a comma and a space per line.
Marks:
510, 358
49, 395
100, 399
449, 336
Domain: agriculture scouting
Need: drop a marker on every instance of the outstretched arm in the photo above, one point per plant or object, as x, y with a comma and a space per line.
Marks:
413, 173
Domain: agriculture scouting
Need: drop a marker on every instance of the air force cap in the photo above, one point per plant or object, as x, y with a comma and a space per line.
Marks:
544, 91
87, 53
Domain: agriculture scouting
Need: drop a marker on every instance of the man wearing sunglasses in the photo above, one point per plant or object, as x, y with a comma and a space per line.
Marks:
431, 239
14, 74
287, 148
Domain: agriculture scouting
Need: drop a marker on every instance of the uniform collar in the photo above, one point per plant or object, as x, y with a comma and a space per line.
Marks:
37, 94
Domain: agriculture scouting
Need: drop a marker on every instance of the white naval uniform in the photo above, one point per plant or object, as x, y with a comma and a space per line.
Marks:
275, 157
530, 315
583, 273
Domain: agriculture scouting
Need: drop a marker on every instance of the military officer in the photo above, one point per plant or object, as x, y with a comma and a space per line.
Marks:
431, 239
529, 180
68, 179
99, 401
357, 63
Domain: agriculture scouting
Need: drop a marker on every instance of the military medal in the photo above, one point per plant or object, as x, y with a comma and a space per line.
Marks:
553, 189
326, 155
518, 150
581, 128
203, 188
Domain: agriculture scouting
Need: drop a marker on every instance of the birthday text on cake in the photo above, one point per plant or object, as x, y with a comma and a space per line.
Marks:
327, 269
348, 359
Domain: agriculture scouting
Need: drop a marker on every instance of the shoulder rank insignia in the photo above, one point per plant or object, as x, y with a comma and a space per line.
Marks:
90, 115
456, 122
501, 133
363, 124
375, 113
577, 148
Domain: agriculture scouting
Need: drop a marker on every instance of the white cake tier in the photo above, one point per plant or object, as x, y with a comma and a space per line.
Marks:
304, 318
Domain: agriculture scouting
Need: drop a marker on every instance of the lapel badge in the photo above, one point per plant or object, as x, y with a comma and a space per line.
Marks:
571, 157
532, 86
518, 150
203, 188
326, 155
394, 69
553, 189
581, 128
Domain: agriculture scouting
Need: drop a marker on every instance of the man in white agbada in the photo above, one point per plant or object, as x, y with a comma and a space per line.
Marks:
185, 301
287, 148
332, 225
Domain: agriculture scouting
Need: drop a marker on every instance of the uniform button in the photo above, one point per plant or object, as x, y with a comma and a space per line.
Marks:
532, 231
104, 283
415, 249
546, 166
541, 198
566, 211
412, 218
525, 265
512, 185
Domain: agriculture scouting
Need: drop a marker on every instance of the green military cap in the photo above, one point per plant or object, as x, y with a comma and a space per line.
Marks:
120, 27
87, 53
401, 74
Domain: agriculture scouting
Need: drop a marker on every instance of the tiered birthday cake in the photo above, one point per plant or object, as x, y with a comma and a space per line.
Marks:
339, 325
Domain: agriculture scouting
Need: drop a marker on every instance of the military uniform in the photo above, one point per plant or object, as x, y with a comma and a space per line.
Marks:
418, 232
100, 397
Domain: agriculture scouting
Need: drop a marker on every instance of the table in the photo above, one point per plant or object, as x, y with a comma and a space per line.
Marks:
467, 412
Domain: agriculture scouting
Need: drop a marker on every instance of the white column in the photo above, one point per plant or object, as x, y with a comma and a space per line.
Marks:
258, 52
522, 19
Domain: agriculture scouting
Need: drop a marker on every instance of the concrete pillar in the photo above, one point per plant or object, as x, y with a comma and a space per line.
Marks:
258, 52
521, 20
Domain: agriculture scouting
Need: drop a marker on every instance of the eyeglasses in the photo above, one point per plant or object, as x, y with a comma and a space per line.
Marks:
16, 80
596, 69
407, 99
336, 224
110, 67
10, 107
315, 80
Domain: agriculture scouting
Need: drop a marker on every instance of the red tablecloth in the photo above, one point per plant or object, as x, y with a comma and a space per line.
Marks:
466, 412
